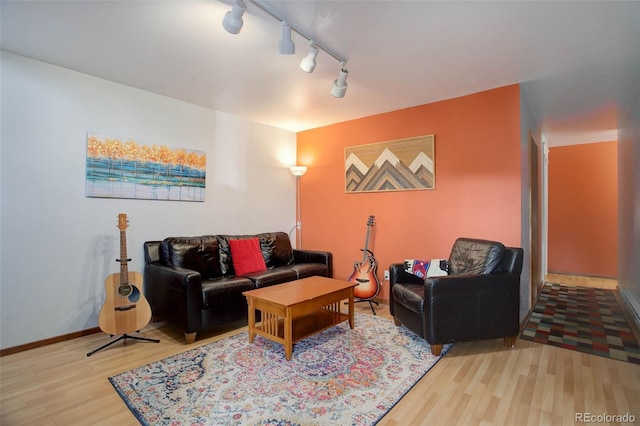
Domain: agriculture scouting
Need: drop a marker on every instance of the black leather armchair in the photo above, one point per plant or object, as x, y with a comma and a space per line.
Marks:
479, 299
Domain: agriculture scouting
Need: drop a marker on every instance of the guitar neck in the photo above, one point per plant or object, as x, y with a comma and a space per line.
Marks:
124, 268
365, 253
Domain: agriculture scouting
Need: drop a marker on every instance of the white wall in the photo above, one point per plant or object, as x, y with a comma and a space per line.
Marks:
629, 207
58, 246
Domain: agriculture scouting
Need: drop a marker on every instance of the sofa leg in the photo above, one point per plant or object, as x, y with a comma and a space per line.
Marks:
510, 341
396, 322
190, 337
436, 349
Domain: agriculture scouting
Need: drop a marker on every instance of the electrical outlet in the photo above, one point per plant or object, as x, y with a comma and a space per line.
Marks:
386, 275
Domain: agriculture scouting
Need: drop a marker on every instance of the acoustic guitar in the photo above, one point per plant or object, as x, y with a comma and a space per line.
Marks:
364, 272
125, 309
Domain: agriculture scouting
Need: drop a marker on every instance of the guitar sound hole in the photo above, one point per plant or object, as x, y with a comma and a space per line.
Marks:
135, 294
124, 290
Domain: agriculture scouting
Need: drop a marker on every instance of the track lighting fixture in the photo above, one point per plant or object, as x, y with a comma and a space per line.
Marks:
232, 21
308, 63
286, 44
340, 84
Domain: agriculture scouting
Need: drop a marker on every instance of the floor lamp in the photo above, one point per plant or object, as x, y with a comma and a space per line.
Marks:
298, 171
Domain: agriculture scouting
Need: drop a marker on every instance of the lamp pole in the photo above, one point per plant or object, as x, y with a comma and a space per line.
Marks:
298, 222
298, 171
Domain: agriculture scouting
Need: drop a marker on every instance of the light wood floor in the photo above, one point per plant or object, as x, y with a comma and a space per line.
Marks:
583, 281
475, 383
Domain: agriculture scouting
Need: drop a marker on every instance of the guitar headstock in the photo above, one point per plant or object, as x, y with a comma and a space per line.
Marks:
123, 222
371, 221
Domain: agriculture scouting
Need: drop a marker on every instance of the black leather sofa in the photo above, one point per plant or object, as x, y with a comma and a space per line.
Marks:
190, 282
478, 299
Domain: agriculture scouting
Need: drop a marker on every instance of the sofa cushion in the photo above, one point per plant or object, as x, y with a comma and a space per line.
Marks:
411, 296
225, 291
246, 256
472, 256
304, 270
275, 246
271, 276
224, 252
276, 249
196, 253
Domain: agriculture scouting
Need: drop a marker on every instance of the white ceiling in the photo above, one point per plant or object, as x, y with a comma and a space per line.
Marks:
579, 62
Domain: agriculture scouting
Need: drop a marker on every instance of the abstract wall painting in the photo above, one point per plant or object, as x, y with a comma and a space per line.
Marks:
125, 168
398, 165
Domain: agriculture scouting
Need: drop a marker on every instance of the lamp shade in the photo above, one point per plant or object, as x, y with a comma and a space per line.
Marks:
298, 171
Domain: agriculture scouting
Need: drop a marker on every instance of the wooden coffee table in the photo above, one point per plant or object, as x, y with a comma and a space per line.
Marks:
298, 309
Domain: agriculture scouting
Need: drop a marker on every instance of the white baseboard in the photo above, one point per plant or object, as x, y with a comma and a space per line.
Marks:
633, 304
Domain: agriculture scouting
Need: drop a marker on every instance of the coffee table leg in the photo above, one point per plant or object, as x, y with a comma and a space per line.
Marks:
252, 320
351, 310
288, 334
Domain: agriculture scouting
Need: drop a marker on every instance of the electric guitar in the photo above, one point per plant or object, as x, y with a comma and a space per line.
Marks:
125, 309
364, 272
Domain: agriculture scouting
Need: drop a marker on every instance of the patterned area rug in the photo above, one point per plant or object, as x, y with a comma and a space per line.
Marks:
583, 319
339, 376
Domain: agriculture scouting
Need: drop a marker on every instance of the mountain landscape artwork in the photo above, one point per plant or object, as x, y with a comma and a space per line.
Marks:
125, 168
398, 165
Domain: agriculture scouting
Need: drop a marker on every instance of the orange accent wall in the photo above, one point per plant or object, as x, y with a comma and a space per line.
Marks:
477, 194
583, 209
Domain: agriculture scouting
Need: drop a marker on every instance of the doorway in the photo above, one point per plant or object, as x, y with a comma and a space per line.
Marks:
535, 237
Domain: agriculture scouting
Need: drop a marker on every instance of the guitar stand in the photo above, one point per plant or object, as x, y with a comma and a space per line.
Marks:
123, 337
371, 302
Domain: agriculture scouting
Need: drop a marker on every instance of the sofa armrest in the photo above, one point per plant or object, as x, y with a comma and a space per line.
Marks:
470, 307
311, 256
175, 295
397, 274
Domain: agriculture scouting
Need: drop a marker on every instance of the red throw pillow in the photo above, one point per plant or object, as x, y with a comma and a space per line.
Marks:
246, 256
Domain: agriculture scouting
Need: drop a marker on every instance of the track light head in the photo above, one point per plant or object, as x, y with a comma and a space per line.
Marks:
308, 63
340, 84
286, 44
232, 21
